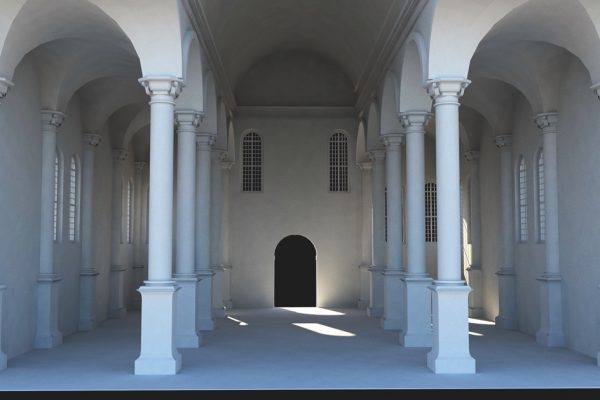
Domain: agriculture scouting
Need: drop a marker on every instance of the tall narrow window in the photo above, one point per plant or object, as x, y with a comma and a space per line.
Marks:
252, 162
56, 197
403, 211
541, 200
74, 199
338, 162
522, 199
385, 207
129, 213
430, 212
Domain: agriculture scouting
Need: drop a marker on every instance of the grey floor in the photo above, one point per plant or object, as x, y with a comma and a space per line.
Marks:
263, 349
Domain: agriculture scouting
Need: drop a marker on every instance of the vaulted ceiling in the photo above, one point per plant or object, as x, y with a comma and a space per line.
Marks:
353, 34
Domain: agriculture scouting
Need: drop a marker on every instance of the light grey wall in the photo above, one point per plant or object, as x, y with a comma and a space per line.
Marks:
295, 200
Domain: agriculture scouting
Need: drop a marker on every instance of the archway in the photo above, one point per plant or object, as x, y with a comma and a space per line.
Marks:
295, 272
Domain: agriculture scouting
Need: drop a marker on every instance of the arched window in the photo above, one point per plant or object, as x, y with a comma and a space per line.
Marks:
57, 198
252, 162
74, 193
522, 199
338, 162
129, 213
430, 212
541, 200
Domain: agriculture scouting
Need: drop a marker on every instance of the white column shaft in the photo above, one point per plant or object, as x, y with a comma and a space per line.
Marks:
367, 217
378, 212
415, 179
47, 199
160, 248
87, 207
551, 203
186, 197
475, 216
203, 206
394, 199
139, 213
508, 228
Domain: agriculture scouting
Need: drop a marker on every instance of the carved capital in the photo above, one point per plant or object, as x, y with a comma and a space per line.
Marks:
365, 165
392, 139
595, 87
162, 85
547, 122
52, 118
120, 154
140, 165
377, 155
92, 139
414, 120
5, 86
204, 140
440, 89
503, 141
190, 118
218, 154
226, 165
471, 155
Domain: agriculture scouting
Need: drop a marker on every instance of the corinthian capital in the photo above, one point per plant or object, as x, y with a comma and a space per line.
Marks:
92, 139
188, 117
414, 119
547, 122
503, 141
5, 86
447, 87
162, 85
120, 154
52, 118
471, 155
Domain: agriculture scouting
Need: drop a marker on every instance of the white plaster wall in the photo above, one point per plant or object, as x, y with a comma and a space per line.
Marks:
20, 183
578, 218
491, 256
529, 256
295, 200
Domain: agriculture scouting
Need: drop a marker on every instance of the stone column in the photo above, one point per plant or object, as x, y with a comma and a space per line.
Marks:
3, 358
226, 167
47, 334
417, 296
88, 272
551, 331
366, 239
507, 313
450, 351
5, 86
474, 270
205, 321
217, 156
375, 308
392, 287
116, 308
138, 260
186, 278
158, 355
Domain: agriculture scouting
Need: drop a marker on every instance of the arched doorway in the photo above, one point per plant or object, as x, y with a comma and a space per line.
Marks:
295, 272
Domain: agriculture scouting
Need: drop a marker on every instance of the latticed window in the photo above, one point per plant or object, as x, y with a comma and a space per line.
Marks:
385, 212
430, 212
129, 213
252, 163
522, 199
338, 162
73, 199
541, 197
56, 197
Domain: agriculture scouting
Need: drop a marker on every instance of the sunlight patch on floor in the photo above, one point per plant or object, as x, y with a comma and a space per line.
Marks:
241, 323
324, 329
312, 311
481, 321
475, 333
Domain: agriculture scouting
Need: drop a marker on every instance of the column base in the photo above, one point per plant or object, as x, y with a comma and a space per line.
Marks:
138, 280
117, 308
87, 300
205, 321
186, 335
450, 348
392, 297
375, 309
474, 274
228, 304
375, 312
158, 355
551, 332
507, 315
417, 312
47, 334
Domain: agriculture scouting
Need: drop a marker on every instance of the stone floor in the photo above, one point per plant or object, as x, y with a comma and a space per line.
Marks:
285, 349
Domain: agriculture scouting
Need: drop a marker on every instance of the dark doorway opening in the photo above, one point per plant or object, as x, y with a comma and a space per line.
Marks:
295, 273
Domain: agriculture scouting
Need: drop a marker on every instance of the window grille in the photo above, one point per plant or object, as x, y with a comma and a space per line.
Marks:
522, 200
430, 212
56, 198
541, 197
338, 162
129, 213
385, 213
73, 199
252, 163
